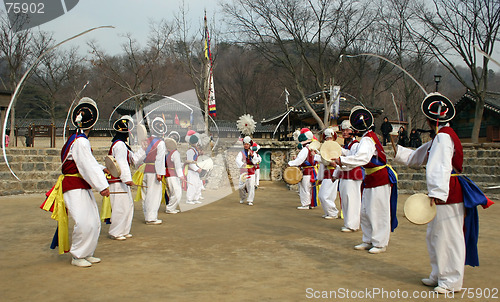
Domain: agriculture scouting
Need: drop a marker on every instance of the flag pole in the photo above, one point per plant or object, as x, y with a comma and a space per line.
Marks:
207, 70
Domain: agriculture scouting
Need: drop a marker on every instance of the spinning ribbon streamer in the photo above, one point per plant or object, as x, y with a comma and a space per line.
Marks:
21, 83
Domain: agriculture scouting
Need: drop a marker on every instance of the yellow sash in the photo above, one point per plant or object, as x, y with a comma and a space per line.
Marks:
249, 166
137, 179
106, 208
369, 171
164, 188
59, 214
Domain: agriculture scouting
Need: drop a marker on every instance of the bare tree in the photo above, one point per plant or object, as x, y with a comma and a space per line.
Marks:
139, 70
247, 83
53, 74
301, 36
460, 26
14, 50
408, 51
188, 49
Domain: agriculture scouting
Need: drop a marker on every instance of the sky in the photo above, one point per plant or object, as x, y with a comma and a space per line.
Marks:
127, 16
134, 16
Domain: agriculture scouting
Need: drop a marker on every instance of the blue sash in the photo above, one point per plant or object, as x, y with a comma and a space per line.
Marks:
472, 198
394, 191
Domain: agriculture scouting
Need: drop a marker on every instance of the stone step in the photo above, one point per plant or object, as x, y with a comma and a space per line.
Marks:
480, 178
13, 187
468, 153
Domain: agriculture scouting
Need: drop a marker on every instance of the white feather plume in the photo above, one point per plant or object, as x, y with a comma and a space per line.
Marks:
246, 124
296, 135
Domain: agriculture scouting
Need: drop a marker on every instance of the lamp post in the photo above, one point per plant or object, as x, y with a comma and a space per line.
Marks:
437, 79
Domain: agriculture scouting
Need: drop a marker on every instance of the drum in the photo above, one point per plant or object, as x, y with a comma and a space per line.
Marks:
206, 164
315, 146
418, 209
292, 175
112, 166
330, 150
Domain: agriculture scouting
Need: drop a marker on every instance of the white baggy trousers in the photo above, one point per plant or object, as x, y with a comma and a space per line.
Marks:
82, 207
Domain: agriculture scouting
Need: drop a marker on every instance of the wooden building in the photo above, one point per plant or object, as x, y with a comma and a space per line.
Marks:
490, 124
299, 116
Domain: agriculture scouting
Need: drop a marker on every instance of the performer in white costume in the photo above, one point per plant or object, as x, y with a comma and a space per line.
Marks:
443, 157
378, 215
154, 172
350, 183
246, 161
82, 173
329, 185
194, 183
256, 148
122, 205
174, 176
305, 160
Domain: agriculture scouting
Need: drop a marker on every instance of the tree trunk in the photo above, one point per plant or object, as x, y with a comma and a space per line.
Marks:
477, 120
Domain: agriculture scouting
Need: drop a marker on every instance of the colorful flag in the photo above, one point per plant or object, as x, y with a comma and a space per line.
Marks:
212, 110
176, 119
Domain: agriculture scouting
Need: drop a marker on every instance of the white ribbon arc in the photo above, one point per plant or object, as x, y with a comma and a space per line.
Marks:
20, 86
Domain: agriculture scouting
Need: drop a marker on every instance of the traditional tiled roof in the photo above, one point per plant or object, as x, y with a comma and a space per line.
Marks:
230, 126
301, 112
491, 102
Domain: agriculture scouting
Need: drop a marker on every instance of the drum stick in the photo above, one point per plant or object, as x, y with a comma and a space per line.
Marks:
118, 192
393, 145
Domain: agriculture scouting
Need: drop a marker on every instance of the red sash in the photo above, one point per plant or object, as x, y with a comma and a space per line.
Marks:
249, 168
112, 179
381, 177
151, 153
69, 167
308, 165
170, 165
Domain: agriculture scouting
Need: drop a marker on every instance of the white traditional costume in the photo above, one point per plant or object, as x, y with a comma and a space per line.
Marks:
194, 183
173, 176
329, 186
81, 172
443, 157
305, 160
122, 205
154, 165
246, 161
350, 187
256, 148
378, 216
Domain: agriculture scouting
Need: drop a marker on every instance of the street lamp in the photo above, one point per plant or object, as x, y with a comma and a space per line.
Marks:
437, 79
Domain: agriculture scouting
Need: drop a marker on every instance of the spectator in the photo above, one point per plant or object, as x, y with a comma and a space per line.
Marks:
386, 129
28, 140
402, 137
415, 140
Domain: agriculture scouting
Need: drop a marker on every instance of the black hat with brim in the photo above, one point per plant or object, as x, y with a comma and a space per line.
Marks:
124, 124
158, 126
360, 118
87, 109
437, 107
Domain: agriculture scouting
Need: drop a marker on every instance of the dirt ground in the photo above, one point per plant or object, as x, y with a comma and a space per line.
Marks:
225, 251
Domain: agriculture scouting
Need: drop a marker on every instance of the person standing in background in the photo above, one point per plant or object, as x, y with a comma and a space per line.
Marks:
386, 129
